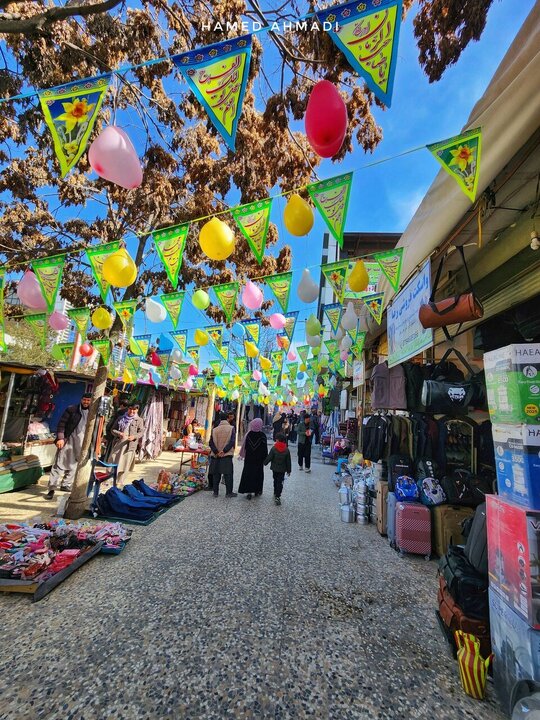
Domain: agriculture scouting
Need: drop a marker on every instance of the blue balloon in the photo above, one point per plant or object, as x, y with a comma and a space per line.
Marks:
300, 376
238, 330
156, 378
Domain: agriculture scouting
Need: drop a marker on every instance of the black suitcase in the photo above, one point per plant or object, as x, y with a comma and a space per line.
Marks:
476, 545
398, 465
468, 588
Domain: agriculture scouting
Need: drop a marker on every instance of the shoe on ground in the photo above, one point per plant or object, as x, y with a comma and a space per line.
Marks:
308, 469
249, 496
208, 489
229, 495
216, 494
64, 488
300, 468
49, 495
277, 500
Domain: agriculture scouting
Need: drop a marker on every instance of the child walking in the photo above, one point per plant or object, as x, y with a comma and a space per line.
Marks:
279, 459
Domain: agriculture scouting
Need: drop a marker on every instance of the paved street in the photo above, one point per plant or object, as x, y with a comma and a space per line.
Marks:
238, 609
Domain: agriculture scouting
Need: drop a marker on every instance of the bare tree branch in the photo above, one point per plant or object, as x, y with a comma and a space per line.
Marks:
16, 24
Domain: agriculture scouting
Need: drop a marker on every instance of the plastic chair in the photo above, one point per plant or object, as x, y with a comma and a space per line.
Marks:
101, 471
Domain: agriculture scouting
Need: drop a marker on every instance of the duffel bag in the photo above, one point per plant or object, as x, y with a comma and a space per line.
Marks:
443, 396
468, 588
457, 488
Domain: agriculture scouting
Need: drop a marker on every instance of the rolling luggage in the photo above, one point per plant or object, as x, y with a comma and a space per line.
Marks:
382, 498
468, 588
413, 529
391, 518
447, 526
476, 545
452, 618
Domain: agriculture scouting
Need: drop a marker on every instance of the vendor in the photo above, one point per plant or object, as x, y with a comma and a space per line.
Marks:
127, 430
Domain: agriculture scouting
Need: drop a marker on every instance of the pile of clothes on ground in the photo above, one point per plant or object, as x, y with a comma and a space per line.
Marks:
180, 484
113, 535
137, 502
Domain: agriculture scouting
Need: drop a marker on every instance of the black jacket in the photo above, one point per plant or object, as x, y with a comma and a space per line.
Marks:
68, 422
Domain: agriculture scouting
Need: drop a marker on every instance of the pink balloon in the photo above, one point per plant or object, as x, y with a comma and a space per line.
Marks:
113, 157
193, 370
326, 119
188, 384
344, 355
257, 375
29, 292
277, 321
58, 321
252, 296
291, 356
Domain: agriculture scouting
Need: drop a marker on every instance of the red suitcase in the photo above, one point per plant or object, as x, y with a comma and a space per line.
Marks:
413, 529
452, 618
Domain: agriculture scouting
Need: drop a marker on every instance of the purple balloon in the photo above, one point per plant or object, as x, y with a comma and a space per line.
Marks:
58, 321
29, 292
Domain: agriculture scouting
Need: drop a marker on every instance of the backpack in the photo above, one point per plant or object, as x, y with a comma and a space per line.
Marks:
457, 488
406, 489
431, 492
398, 465
425, 468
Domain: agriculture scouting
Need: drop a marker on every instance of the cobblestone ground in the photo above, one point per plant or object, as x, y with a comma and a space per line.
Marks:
238, 609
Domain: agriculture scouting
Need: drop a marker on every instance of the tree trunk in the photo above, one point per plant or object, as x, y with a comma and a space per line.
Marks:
76, 504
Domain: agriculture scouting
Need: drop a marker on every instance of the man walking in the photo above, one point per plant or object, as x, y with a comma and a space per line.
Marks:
69, 439
305, 439
222, 445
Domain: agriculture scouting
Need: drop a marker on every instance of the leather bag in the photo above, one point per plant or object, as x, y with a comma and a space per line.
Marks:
458, 309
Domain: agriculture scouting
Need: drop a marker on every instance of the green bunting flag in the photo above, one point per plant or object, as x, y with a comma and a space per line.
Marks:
290, 324
303, 352
226, 295
253, 329
49, 274
390, 263
216, 366
38, 323
125, 309
280, 285
224, 351
139, 344
66, 350
216, 334
133, 363
80, 317
336, 273
170, 245
70, 112
358, 345
253, 220
217, 75
460, 158
96, 257
334, 312
374, 304
172, 302
241, 363
199, 382
180, 338
104, 349
277, 358
3, 346
367, 33
331, 198
332, 346
194, 353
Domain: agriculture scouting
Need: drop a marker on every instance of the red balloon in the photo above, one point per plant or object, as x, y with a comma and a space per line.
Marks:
155, 359
86, 350
326, 119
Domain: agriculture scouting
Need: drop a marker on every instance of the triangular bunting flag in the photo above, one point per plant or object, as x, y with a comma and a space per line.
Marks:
125, 309
80, 317
303, 352
194, 353
104, 349
390, 263
253, 328
368, 34
67, 351
358, 345
331, 198
133, 363
253, 220
217, 75
216, 334
70, 112
226, 295
49, 274
241, 362
38, 323
139, 344
172, 302
97, 256
216, 366
3, 346
336, 273
374, 272
374, 304
280, 285
170, 244
180, 338
224, 351
460, 158
290, 324
277, 358
333, 313
332, 346
199, 382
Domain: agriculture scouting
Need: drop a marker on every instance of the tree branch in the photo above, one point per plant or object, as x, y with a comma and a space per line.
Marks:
15, 24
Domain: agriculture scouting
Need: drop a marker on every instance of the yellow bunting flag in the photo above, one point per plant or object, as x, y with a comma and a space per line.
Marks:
104, 349
172, 303
253, 329
374, 303
460, 158
139, 344
336, 273
125, 309
180, 338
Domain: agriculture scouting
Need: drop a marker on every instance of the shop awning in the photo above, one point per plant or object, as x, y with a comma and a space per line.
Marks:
509, 114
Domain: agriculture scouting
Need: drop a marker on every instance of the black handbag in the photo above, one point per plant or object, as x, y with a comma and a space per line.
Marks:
444, 396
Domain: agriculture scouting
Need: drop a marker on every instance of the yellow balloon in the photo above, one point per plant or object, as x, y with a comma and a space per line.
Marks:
279, 403
216, 239
201, 337
102, 319
266, 400
127, 377
303, 367
237, 380
221, 393
266, 364
251, 349
359, 278
119, 270
298, 216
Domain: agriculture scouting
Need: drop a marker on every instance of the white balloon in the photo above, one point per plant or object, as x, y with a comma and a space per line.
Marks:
349, 320
235, 395
313, 340
155, 311
175, 373
308, 290
263, 390
176, 356
346, 343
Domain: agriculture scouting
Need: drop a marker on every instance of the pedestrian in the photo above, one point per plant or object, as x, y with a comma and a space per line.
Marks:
277, 423
69, 438
279, 459
222, 445
293, 422
286, 428
128, 430
254, 451
121, 410
305, 439
317, 427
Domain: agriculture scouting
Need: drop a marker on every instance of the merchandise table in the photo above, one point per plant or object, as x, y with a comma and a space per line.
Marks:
194, 452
